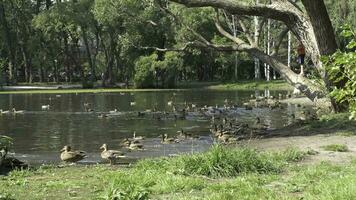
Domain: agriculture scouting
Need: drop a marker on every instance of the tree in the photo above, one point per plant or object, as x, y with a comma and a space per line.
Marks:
311, 26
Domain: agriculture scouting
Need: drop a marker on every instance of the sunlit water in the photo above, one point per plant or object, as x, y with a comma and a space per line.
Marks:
40, 134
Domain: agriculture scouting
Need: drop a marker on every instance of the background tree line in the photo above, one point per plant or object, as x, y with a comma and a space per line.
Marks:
131, 40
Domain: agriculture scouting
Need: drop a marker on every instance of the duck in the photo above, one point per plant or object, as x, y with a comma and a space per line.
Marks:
103, 116
4, 111
45, 107
184, 135
135, 145
70, 156
247, 106
17, 111
224, 137
111, 155
113, 111
259, 124
167, 140
125, 142
137, 137
132, 103
87, 107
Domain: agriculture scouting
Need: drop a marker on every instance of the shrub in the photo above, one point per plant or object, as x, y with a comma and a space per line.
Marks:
341, 67
5, 142
144, 68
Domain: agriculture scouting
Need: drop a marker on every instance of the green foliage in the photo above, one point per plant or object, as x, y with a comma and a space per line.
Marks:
130, 192
5, 142
144, 71
341, 68
149, 70
336, 147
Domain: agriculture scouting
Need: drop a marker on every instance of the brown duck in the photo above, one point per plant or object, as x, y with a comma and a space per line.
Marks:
68, 155
111, 155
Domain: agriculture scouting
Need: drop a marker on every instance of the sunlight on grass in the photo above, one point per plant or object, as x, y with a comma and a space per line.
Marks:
336, 147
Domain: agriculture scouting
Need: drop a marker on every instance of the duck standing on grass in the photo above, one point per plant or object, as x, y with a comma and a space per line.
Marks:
111, 155
70, 156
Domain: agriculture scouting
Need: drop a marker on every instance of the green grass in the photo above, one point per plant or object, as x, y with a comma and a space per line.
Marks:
243, 85
336, 147
221, 173
252, 85
73, 91
338, 124
148, 178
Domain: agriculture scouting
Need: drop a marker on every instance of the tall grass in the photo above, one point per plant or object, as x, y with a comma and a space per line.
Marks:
222, 161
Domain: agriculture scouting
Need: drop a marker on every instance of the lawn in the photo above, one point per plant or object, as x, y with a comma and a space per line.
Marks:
220, 173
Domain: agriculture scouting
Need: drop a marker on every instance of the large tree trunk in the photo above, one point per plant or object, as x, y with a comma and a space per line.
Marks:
325, 38
28, 64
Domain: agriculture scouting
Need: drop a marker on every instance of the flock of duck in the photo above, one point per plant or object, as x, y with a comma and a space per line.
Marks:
224, 129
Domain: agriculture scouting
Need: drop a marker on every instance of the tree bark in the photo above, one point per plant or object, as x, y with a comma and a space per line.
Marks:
89, 56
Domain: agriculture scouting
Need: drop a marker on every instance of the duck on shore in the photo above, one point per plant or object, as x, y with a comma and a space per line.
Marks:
70, 156
111, 155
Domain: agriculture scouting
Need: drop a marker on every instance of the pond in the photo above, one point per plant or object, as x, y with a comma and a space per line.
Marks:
39, 134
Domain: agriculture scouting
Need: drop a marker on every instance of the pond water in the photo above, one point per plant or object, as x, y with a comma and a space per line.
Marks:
40, 134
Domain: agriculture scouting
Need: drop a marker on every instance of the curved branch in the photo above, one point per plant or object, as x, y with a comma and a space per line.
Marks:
279, 41
277, 10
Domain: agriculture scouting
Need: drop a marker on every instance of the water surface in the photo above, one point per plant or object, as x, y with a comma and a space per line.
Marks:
40, 134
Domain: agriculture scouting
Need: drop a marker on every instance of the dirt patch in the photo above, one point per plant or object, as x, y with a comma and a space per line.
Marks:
314, 142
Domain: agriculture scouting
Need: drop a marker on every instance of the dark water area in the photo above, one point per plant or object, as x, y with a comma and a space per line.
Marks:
39, 134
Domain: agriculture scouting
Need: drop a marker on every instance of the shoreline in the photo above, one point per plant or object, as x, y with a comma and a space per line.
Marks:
276, 85
259, 169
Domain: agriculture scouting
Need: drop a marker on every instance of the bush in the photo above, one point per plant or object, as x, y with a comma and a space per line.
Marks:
144, 68
341, 66
5, 142
149, 69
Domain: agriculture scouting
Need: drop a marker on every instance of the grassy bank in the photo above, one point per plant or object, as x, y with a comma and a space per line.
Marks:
246, 85
74, 91
220, 173
251, 85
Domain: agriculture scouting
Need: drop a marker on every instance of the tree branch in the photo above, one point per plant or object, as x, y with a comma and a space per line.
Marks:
276, 10
279, 41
